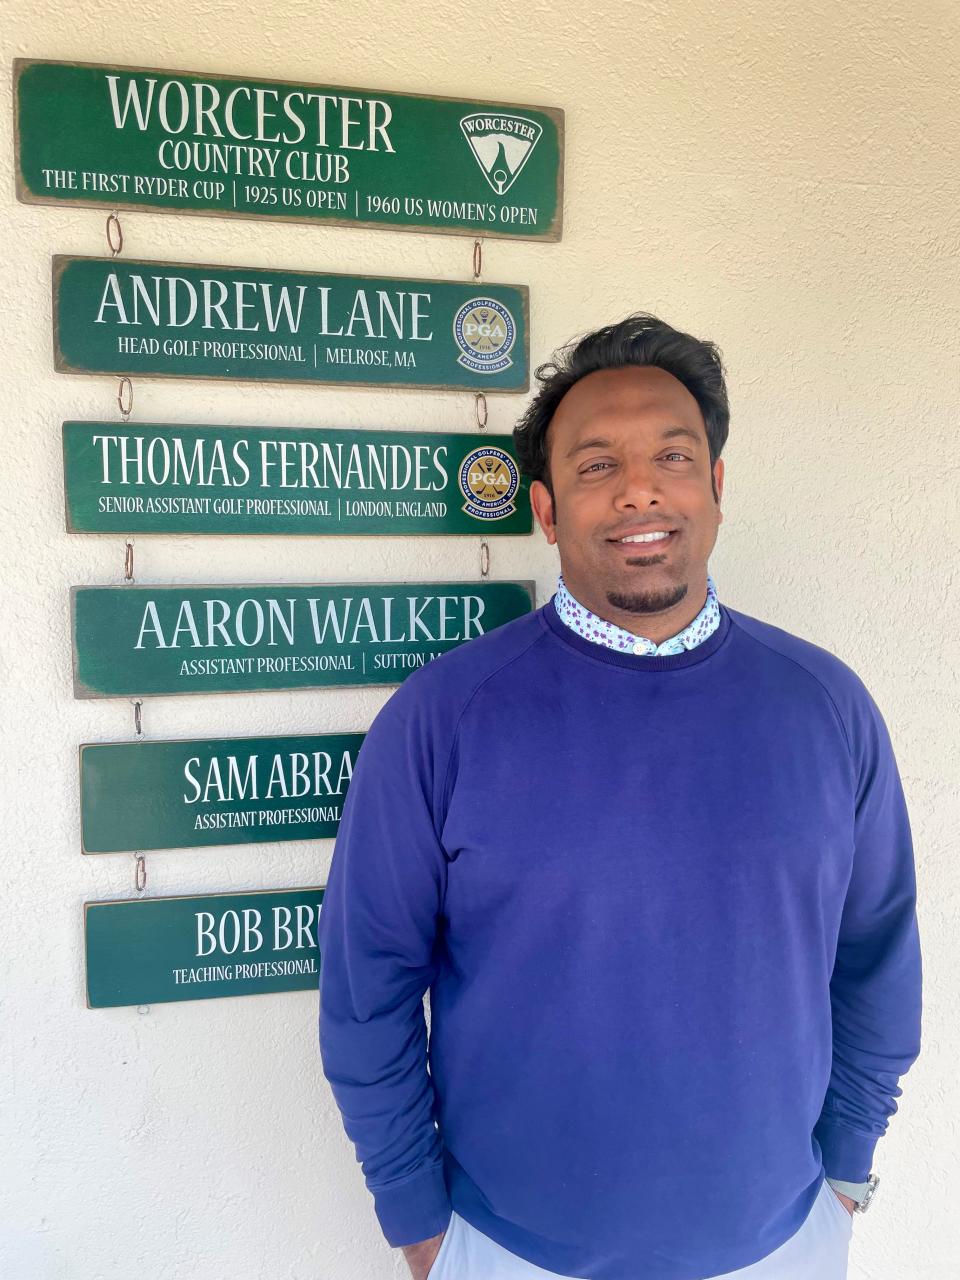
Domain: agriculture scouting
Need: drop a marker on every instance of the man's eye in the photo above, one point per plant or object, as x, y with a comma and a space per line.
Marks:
682, 456
594, 464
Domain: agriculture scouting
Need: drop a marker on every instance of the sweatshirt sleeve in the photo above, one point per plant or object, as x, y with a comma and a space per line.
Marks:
875, 990
376, 938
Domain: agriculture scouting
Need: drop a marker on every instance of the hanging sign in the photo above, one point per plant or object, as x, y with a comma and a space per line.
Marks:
194, 793
144, 478
141, 640
183, 320
173, 141
154, 950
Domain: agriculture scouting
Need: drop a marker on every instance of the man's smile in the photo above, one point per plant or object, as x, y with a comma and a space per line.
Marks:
644, 543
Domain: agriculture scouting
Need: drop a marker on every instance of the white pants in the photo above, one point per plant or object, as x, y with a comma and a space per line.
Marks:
817, 1251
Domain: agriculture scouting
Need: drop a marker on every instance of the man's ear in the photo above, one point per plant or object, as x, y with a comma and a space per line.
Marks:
718, 480
542, 505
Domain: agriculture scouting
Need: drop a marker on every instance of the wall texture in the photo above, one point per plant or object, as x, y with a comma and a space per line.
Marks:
782, 178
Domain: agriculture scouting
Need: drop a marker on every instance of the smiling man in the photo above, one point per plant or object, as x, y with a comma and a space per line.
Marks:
628, 566
652, 860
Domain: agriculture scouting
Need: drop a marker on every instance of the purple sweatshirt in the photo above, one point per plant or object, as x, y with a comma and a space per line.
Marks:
665, 908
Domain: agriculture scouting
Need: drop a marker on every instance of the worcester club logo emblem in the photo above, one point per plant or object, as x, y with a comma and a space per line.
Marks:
501, 143
489, 480
485, 332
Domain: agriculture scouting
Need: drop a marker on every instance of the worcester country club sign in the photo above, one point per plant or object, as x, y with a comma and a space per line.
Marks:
140, 138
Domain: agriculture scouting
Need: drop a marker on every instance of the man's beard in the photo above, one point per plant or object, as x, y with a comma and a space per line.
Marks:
647, 601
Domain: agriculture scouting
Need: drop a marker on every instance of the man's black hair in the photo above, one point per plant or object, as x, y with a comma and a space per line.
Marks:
640, 339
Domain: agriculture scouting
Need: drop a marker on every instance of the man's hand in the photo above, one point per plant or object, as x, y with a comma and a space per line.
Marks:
849, 1204
421, 1256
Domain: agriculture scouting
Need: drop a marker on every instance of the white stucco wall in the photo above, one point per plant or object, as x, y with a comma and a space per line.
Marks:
781, 178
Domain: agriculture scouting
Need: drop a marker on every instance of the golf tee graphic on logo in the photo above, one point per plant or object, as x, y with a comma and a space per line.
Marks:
501, 144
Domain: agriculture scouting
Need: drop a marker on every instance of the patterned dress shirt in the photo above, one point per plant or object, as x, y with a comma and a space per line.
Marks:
591, 627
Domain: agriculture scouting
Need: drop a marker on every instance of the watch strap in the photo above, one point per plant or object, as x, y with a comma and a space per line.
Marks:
860, 1192
855, 1190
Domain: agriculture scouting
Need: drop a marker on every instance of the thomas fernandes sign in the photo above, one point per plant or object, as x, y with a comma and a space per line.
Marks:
141, 640
146, 478
168, 141
181, 320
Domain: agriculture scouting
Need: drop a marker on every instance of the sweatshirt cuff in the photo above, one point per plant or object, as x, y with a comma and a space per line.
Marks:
847, 1153
415, 1209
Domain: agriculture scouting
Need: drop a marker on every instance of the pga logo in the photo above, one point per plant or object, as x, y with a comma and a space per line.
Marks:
485, 333
489, 479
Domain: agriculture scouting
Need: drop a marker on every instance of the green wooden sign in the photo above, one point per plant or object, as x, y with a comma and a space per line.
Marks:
194, 793
142, 640
184, 320
145, 478
154, 950
176, 141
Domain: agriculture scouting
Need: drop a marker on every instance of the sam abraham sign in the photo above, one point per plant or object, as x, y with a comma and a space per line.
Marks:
195, 793
145, 478
143, 640
154, 950
180, 141
181, 320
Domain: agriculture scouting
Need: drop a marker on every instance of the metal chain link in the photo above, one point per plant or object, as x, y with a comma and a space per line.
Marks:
114, 234
125, 398
481, 410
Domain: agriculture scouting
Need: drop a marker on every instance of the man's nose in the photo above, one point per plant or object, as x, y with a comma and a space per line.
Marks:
638, 484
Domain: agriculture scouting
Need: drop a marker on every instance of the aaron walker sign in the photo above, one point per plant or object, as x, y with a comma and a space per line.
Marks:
144, 478
142, 640
152, 950
194, 793
182, 320
168, 141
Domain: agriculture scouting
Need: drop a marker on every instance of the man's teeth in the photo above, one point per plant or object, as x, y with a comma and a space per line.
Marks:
646, 537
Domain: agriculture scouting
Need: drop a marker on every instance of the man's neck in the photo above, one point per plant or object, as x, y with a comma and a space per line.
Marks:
655, 627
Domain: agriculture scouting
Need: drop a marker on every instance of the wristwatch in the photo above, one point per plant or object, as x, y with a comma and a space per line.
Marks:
861, 1192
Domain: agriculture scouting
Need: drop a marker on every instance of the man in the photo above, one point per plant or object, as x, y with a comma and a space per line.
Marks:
652, 860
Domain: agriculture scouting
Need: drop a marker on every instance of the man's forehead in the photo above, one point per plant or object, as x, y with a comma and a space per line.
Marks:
634, 396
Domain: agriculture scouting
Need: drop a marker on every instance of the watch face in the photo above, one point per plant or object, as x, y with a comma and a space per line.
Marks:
871, 1191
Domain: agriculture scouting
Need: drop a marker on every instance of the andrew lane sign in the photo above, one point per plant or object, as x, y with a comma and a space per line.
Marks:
194, 793
142, 640
140, 138
144, 478
181, 320
152, 950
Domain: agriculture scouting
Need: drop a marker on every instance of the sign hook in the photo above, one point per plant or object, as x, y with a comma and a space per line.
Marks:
114, 234
480, 408
125, 398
